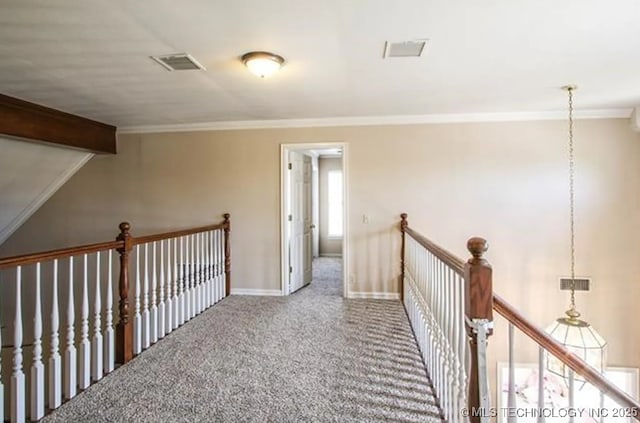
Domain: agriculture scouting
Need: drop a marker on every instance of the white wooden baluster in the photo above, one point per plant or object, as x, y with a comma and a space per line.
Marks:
462, 344
200, 292
449, 326
109, 346
571, 395
153, 323
541, 398
196, 275
452, 385
443, 344
455, 322
146, 336
220, 266
194, 289
203, 271
434, 305
137, 318
169, 307
177, 309
37, 367
96, 341
511, 398
212, 286
84, 374
17, 376
182, 304
211, 268
214, 266
187, 281
70, 358
161, 311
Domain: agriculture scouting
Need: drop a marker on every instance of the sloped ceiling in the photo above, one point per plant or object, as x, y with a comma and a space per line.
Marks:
31, 173
91, 57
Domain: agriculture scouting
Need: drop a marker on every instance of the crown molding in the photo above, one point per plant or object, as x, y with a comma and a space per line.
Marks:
375, 121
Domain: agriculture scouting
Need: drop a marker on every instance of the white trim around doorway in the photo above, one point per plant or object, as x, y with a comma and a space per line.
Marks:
284, 197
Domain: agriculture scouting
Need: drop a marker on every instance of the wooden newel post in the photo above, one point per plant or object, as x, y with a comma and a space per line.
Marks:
227, 253
124, 329
478, 307
404, 224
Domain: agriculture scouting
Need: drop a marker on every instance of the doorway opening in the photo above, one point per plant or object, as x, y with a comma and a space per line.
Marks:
314, 226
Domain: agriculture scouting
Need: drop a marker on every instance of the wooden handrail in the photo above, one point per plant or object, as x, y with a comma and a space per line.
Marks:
175, 234
448, 258
32, 258
514, 317
576, 364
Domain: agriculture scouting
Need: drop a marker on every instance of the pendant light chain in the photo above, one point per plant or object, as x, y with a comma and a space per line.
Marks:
572, 200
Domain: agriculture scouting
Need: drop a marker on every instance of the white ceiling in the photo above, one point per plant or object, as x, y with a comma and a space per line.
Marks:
90, 57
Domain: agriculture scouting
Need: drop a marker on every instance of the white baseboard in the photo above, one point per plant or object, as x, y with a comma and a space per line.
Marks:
259, 292
375, 295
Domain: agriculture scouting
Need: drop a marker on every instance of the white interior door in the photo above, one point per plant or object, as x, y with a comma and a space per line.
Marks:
300, 241
307, 217
296, 221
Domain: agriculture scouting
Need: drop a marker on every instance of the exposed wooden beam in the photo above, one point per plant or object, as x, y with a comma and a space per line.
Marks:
22, 119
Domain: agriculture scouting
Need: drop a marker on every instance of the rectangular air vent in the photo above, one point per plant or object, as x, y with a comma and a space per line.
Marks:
178, 62
581, 284
413, 48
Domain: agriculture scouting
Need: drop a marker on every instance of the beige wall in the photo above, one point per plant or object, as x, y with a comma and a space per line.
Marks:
328, 246
504, 181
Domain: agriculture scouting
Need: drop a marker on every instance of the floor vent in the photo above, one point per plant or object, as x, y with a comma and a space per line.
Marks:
178, 62
581, 284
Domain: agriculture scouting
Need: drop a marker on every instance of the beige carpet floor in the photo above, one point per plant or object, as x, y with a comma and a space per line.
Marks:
310, 357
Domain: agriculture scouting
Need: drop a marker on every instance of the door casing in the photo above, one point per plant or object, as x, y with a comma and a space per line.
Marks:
284, 206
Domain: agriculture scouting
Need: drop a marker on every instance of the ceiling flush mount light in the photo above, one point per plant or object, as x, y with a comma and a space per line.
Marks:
575, 334
262, 63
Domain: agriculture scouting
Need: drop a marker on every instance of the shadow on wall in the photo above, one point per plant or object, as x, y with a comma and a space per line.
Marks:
375, 261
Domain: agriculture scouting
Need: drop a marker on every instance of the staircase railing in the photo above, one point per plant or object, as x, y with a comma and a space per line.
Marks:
177, 276
449, 303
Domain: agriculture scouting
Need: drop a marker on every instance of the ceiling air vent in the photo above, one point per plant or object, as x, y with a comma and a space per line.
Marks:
404, 49
178, 62
581, 284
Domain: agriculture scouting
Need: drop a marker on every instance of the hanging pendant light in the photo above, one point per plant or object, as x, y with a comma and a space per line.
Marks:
577, 335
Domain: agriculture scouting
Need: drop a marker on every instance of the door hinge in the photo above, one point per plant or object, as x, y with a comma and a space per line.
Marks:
290, 166
290, 269
290, 218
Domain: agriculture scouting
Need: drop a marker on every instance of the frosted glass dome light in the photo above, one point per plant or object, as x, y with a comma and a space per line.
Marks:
262, 63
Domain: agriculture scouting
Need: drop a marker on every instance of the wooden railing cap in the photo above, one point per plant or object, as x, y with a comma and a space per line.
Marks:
477, 246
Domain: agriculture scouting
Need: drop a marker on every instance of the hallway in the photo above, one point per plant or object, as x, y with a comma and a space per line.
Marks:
309, 357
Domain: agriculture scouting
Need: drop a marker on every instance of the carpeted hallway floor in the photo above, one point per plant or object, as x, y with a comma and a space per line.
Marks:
309, 357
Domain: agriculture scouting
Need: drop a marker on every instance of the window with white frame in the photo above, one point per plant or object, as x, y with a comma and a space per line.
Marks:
334, 193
